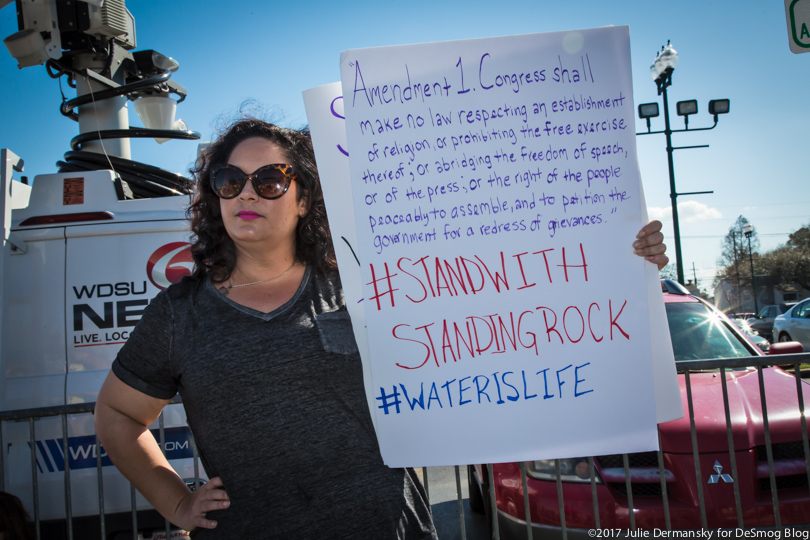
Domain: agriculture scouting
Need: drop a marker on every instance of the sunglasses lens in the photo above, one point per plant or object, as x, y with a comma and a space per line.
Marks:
228, 183
271, 183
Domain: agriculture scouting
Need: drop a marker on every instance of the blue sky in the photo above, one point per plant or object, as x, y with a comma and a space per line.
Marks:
241, 50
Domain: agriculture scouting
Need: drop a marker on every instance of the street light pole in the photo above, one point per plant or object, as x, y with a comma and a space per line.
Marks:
673, 193
737, 270
748, 230
661, 71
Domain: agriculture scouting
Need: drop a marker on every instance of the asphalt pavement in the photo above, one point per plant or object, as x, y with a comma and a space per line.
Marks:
450, 520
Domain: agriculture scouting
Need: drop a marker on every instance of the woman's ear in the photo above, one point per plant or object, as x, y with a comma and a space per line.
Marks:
303, 205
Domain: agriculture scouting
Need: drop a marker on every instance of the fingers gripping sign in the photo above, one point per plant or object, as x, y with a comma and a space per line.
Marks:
649, 244
193, 508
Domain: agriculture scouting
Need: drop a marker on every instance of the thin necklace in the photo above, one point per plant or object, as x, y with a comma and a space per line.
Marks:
225, 290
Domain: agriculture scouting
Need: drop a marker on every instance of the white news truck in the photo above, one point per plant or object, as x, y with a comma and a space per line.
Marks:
84, 251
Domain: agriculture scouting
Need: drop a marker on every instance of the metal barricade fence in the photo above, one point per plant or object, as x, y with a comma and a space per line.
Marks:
684, 367
30, 416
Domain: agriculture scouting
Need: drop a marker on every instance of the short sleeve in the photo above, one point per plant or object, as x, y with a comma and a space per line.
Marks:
145, 360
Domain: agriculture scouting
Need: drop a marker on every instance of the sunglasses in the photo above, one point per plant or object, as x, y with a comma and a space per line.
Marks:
269, 182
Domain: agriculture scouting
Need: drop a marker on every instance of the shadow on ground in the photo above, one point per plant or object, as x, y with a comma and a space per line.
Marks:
448, 524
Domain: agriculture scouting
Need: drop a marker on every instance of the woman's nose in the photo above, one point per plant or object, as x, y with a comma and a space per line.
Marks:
248, 192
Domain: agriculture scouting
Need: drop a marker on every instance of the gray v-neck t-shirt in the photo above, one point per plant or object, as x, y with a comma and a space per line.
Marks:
278, 410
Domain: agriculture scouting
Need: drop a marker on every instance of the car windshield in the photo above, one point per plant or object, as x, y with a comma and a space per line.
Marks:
698, 333
745, 327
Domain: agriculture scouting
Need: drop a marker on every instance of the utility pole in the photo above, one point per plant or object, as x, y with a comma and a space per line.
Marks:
737, 271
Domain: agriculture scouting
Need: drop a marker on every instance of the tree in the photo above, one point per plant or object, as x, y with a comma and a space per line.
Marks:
789, 265
734, 262
734, 249
668, 272
800, 239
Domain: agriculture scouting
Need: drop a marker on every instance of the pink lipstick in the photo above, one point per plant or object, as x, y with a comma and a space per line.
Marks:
247, 215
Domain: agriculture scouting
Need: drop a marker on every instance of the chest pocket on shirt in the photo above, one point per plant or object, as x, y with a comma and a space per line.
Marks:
336, 332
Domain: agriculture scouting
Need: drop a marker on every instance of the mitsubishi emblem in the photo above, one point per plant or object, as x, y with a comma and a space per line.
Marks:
715, 478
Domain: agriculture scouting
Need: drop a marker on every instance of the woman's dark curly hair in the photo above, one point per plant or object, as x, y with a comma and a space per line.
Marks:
212, 249
14, 521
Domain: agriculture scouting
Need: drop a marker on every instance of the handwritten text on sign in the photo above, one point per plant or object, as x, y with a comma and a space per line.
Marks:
496, 196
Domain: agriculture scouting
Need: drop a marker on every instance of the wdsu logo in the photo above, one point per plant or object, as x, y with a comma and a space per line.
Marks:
103, 313
169, 263
82, 451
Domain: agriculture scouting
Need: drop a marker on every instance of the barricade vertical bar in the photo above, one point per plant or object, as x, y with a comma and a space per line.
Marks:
695, 454
731, 453
34, 477
196, 458
493, 504
768, 448
68, 502
662, 474
594, 496
460, 504
134, 512
100, 472
162, 431
527, 509
2, 462
800, 395
629, 485
425, 482
560, 499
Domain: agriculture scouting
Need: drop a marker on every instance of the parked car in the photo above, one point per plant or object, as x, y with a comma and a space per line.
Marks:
763, 321
794, 325
752, 334
698, 331
745, 315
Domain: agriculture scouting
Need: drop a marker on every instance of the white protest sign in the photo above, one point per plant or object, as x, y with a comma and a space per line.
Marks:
496, 192
324, 106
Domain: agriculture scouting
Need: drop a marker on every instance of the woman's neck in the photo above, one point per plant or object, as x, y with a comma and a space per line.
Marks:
258, 266
263, 283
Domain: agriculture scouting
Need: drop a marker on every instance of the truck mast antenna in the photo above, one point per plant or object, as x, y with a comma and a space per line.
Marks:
89, 42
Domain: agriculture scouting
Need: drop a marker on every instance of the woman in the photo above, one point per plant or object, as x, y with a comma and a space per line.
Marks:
259, 345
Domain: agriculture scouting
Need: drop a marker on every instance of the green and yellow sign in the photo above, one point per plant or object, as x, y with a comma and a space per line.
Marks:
797, 13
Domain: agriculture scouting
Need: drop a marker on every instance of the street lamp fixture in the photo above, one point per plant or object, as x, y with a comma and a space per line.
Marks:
718, 106
748, 230
685, 108
648, 110
661, 71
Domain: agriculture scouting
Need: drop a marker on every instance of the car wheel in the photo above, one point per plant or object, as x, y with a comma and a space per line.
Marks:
476, 498
784, 337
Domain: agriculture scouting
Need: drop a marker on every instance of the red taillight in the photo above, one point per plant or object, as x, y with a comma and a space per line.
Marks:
67, 218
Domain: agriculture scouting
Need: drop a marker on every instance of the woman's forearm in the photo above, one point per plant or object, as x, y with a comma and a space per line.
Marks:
134, 451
